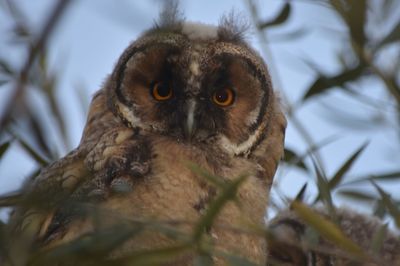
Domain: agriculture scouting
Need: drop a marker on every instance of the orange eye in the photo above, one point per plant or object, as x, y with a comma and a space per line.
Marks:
223, 97
161, 91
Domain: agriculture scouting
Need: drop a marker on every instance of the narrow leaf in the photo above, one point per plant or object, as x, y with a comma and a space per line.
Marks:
389, 204
338, 177
279, 19
378, 238
4, 147
323, 83
294, 159
36, 156
300, 195
326, 228
393, 36
357, 195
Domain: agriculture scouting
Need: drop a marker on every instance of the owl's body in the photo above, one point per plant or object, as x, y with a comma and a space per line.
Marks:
182, 93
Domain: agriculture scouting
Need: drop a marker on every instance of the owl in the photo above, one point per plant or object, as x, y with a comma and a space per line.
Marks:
181, 94
294, 242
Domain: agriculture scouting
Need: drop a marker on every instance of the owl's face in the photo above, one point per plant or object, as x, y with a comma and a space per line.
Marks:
196, 84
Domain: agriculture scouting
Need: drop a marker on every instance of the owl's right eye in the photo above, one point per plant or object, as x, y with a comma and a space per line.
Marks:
161, 91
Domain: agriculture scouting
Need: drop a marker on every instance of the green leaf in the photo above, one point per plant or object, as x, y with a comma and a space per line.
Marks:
389, 176
300, 195
36, 156
279, 19
213, 179
326, 228
227, 194
293, 158
3, 148
378, 238
338, 176
353, 13
323, 83
234, 260
389, 204
357, 195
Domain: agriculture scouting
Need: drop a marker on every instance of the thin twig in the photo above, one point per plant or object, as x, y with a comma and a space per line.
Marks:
35, 49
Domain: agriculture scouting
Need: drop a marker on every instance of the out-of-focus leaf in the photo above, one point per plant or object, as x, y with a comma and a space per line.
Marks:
323, 83
326, 228
3, 81
389, 204
203, 260
279, 19
289, 36
380, 209
38, 134
4, 147
235, 260
393, 36
324, 191
36, 156
338, 177
215, 180
292, 158
6, 69
390, 176
154, 256
225, 195
353, 12
378, 238
300, 195
357, 195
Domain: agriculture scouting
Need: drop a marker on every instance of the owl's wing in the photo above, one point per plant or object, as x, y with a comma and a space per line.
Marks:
108, 157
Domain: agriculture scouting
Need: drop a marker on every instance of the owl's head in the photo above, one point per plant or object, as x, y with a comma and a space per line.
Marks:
195, 83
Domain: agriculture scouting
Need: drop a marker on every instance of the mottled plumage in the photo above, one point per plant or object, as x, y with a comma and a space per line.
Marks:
182, 92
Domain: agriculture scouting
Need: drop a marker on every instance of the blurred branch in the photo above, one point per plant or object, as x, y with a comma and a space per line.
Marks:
35, 50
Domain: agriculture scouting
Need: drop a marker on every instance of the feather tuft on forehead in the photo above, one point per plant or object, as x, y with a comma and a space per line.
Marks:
171, 18
233, 27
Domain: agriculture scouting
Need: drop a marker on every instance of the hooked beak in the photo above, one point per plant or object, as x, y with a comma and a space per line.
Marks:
190, 124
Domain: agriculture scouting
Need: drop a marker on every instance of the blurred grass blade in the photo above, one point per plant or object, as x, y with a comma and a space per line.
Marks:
4, 147
390, 176
324, 191
155, 256
357, 195
36, 156
300, 195
353, 12
338, 177
279, 19
294, 159
323, 83
378, 238
393, 36
234, 260
225, 195
389, 204
326, 228
213, 179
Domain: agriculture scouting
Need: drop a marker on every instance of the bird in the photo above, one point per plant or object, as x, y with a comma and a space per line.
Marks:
295, 242
182, 95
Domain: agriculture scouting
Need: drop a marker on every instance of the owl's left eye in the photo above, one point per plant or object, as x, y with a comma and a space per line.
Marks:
161, 91
223, 97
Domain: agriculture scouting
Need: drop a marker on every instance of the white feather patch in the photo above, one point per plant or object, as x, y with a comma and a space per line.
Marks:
199, 31
243, 147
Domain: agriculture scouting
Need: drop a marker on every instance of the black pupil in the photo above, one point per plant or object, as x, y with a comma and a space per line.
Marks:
221, 96
163, 89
